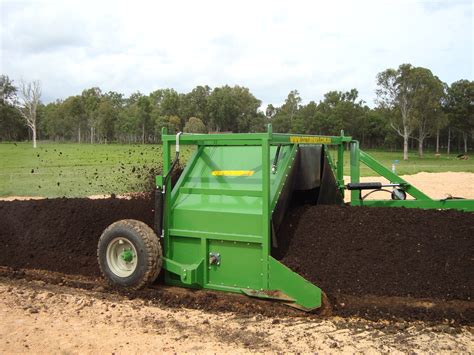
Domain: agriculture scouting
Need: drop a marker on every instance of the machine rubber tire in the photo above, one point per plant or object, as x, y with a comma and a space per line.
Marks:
142, 241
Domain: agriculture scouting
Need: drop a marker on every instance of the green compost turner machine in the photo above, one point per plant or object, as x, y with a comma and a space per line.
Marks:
216, 226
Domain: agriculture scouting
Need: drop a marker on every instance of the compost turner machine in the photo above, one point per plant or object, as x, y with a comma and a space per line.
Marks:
216, 226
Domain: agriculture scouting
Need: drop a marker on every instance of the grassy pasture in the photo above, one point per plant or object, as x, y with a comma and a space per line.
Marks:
68, 169
72, 170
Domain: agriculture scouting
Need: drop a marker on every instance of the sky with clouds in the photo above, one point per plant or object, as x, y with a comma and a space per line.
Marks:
271, 47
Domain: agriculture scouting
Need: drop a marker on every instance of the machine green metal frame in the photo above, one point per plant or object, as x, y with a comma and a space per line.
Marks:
217, 229
421, 200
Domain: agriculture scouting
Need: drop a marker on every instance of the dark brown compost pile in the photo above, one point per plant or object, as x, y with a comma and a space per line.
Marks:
62, 234
381, 251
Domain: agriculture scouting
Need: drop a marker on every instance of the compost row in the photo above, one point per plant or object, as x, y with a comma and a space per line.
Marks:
62, 234
381, 251
346, 251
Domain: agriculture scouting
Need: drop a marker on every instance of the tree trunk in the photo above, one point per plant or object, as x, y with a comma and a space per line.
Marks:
464, 137
33, 129
449, 140
143, 132
79, 135
420, 147
405, 144
92, 135
437, 141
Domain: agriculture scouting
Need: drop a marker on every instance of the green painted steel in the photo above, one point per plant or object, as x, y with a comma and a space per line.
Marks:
217, 218
355, 171
305, 295
420, 199
457, 204
222, 206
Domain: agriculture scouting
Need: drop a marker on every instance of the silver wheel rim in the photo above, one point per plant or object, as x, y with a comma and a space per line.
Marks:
121, 257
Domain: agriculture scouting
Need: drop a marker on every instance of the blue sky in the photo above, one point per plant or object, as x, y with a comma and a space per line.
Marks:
271, 47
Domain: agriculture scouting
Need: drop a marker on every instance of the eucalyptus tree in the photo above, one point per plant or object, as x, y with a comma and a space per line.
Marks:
460, 108
91, 101
396, 91
285, 115
428, 100
29, 99
11, 124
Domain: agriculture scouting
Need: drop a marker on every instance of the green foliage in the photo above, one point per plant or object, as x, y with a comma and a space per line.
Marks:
232, 109
285, 116
459, 105
415, 97
412, 103
195, 104
195, 125
12, 126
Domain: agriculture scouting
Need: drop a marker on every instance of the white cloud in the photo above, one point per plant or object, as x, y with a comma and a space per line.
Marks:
271, 47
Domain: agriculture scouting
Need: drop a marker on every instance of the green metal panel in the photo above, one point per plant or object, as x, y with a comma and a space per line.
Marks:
231, 219
305, 295
222, 205
235, 270
208, 203
254, 139
185, 250
458, 204
355, 171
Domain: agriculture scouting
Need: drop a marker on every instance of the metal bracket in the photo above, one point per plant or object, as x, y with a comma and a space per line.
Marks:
214, 259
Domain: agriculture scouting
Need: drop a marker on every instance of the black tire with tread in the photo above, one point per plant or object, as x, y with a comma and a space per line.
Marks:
148, 249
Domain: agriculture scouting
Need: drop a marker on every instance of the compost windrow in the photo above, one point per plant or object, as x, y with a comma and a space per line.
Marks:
62, 234
381, 251
343, 250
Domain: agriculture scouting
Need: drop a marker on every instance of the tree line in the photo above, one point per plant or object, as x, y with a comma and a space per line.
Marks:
414, 109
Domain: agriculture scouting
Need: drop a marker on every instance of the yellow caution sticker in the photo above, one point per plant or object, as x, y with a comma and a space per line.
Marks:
233, 172
310, 140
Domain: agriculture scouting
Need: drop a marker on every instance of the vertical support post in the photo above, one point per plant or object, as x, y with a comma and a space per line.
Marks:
340, 167
166, 146
266, 213
355, 172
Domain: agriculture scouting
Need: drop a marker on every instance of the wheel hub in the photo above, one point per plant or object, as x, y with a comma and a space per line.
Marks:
127, 256
121, 257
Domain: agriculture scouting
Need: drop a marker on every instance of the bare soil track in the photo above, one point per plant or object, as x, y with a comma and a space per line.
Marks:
38, 316
376, 263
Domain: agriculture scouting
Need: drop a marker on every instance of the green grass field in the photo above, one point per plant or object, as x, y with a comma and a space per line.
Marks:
54, 170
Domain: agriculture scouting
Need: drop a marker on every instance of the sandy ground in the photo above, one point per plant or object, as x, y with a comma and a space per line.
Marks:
39, 317
435, 185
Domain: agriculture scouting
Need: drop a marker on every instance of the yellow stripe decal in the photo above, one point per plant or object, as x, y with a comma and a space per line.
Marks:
310, 140
233, 172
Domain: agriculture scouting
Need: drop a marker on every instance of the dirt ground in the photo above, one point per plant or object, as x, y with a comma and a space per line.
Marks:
67, 307
40, 317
